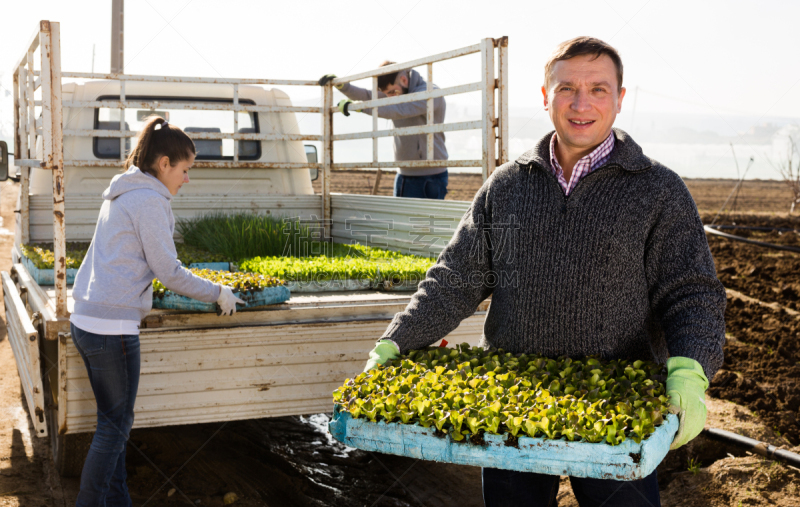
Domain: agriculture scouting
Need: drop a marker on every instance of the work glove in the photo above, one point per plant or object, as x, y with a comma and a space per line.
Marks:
383, 351
343, 105
227, 301
686, 388
328, 78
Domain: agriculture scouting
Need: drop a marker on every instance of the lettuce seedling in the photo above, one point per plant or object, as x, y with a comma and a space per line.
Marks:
475, 390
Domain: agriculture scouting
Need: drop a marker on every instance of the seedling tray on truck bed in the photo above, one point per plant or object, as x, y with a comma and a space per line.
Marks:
213, 266
267, 296
47, 276
626, 461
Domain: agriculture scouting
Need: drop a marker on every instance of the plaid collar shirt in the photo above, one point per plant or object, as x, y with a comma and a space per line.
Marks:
584, 166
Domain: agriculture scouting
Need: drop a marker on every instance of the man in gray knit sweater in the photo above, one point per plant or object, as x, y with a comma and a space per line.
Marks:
587, 247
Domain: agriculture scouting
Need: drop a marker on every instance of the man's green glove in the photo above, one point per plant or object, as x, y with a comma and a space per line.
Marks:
327, 78
343, 104
686, 388
383, 351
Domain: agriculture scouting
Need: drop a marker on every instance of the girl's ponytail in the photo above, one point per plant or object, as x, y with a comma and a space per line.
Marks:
159, 139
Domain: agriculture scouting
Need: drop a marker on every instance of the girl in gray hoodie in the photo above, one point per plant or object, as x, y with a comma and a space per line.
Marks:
113, 292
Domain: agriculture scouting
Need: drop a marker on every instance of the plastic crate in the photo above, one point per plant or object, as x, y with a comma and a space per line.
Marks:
268, 296
405, 286
347, 285
213, 266
46, 276
626, 461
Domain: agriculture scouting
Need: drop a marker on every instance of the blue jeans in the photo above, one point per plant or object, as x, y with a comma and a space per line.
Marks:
113, 363
506, 488
423, 187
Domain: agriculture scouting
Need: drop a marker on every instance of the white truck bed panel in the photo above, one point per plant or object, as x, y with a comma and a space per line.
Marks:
205, 375
82, 210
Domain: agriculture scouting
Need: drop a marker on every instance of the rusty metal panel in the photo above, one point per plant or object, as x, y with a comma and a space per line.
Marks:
235, 121
183, 79
15, 98
197, 135
24, 162
23, 218
198, 105
378, 174
455, 53
502, 97
53, 156
407, 131
22, 112
416, 226
205, 375
122, 119
429, 119
36, 297
30, 119
374, 119
21, 125
64, 343
344, 166
327, 156
24, 341
412, 97
47, 99
200, 164
487, 106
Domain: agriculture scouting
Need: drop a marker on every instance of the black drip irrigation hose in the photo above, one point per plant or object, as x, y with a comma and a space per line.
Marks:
773, 246
761, 448
751, 228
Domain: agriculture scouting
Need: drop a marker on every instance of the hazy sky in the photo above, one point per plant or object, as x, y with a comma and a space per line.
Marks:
717, 56
711, 58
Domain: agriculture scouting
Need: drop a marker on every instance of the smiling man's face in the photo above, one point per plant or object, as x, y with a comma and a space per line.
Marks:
583, 100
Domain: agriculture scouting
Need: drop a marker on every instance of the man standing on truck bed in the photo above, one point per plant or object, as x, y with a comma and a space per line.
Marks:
422, 182
591, 248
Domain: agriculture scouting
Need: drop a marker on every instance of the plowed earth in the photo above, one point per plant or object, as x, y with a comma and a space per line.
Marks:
762, 353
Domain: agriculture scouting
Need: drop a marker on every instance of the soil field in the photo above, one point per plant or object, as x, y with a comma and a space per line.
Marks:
292, 461
760, 196
762, 353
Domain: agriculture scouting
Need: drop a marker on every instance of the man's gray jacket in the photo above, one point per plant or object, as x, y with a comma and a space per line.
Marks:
620, 268
409, 114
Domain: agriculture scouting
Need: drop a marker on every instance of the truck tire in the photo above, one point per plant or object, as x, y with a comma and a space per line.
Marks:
69, 451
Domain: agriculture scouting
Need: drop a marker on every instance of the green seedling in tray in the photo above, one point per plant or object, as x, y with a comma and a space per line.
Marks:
237, 281
43, 258
468, 391
360, 263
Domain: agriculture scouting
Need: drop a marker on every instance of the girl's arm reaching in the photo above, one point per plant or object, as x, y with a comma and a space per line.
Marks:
153, 226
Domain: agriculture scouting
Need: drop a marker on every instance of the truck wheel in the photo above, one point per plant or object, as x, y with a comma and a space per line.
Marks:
69, 451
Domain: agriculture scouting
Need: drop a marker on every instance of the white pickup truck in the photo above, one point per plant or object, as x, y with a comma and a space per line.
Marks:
71, 133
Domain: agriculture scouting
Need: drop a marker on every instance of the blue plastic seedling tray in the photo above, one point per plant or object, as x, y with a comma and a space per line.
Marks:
268, 296
213, 266
46, 276
627, 461
313, 286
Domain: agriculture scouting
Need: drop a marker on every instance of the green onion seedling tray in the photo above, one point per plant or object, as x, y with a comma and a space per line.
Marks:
267, 296
627, 461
